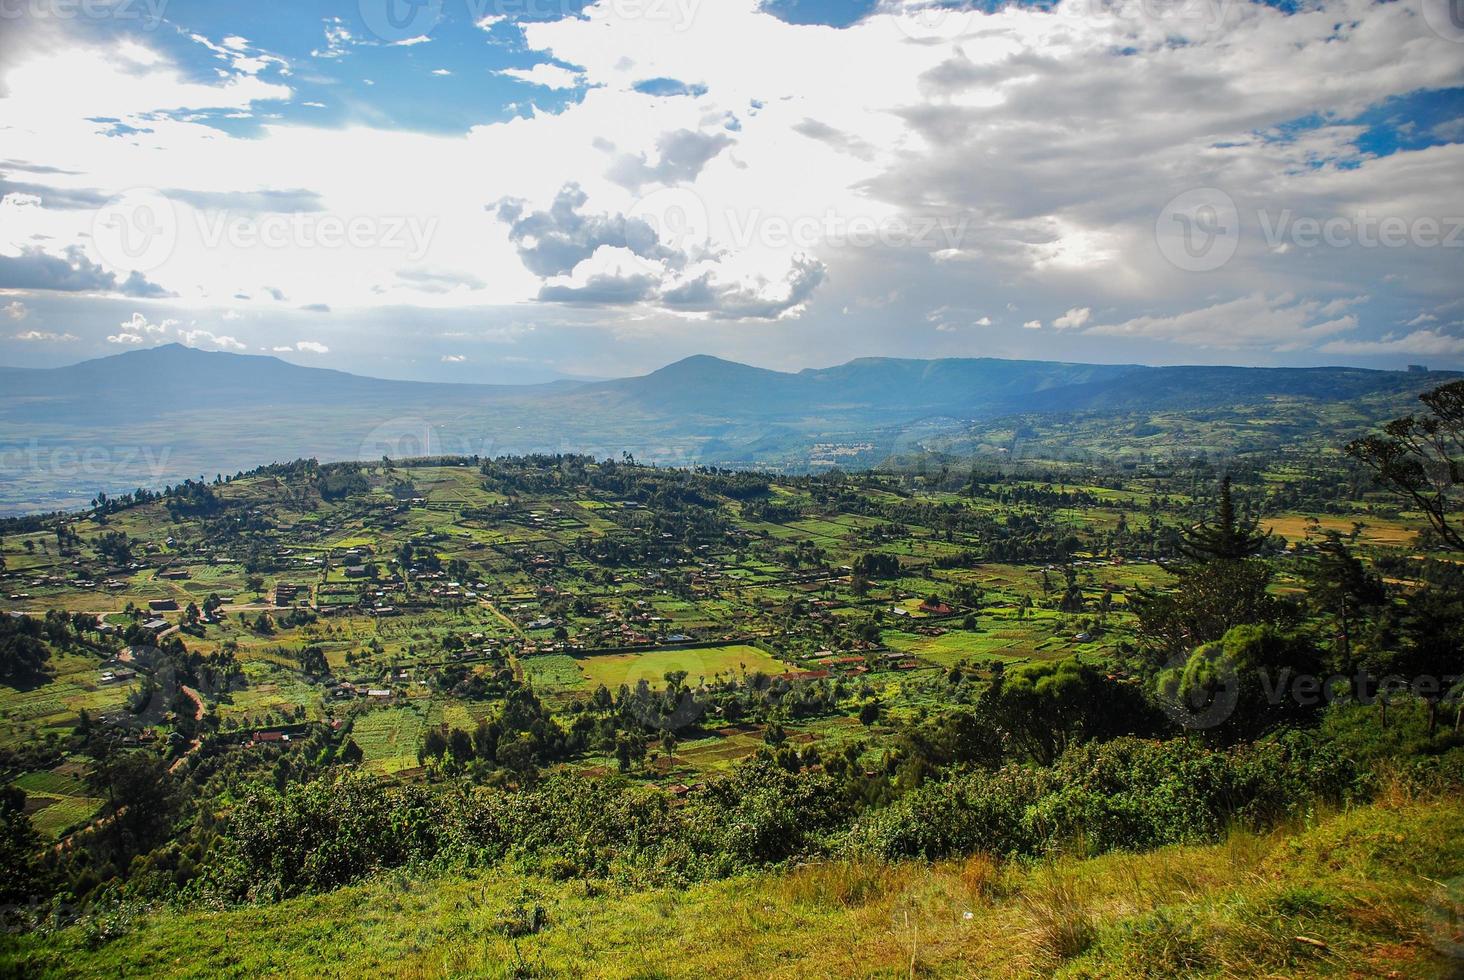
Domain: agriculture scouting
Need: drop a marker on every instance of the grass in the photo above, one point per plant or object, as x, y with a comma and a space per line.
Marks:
552, 673
389, 738
612, 670
1352, 894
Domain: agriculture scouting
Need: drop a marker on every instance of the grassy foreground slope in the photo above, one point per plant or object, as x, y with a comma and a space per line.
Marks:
1356, 893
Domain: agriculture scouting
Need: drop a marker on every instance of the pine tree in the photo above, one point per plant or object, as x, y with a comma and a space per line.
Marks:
1227, 538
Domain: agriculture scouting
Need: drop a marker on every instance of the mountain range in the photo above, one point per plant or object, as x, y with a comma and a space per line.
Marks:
158, 415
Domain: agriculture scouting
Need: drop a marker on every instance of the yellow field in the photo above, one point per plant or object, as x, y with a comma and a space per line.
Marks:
612, 670
1293, 527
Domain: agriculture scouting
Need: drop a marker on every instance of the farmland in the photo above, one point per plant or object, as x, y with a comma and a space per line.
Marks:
434, 634
442, 584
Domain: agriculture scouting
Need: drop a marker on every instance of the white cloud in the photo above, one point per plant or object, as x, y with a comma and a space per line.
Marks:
1032, 325
1255, 322
1429, 342
441, 71
410, 41
139, 324
453, 358
1073, 318
311, 347
859, 123
16, 310
42, 336
206, 338
125, 338
545, 74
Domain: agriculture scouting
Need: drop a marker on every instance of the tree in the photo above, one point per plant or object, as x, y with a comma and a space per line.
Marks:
1226, 538
23, 655
351, 753
1221, 585
868, 713
1421, 458
142, 798
115, 546
1208, 601
433, 746
313, 662
1047, 706
1433, 628
1250, 677
460, 745
1342, 586
19, 845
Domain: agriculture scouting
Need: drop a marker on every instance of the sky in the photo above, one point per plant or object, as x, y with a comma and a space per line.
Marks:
522, 190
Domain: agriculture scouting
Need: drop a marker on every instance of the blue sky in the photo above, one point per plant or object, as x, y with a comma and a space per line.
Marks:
518, 190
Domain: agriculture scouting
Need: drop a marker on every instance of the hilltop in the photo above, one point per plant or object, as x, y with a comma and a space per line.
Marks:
157, 416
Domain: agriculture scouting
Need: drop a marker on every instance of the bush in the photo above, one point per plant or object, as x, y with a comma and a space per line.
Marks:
1128, 794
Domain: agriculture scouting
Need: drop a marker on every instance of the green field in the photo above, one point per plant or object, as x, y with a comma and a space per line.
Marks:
389, 738
736, 660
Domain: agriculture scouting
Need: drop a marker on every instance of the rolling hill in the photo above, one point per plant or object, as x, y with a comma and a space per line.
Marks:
149, 417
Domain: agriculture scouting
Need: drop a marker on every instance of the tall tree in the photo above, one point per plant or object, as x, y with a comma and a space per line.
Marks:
1422, 459
1343, 586
1228, 537
1222, 585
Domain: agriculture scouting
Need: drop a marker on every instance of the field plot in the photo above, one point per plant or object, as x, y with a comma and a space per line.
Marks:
56, 801
1008, 640
1295, 527
553, 673
733, 660
28, 711
389, 738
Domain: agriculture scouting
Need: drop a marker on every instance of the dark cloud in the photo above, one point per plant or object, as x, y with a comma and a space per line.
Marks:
61, 199
683, 153
737, 302
71, 272
553, 242
36, 168
836, 138
603, 290
137, 285
316, 308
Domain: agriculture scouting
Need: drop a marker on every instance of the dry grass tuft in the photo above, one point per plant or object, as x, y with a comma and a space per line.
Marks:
1063, 923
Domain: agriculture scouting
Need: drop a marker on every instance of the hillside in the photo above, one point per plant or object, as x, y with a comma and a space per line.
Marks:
568, 716
153, 417
1347, 895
